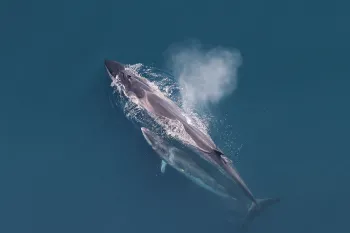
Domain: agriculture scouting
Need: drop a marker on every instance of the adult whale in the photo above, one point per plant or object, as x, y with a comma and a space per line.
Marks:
155, 103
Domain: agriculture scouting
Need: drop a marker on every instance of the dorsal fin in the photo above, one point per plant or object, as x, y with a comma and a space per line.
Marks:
218, 153
221, 156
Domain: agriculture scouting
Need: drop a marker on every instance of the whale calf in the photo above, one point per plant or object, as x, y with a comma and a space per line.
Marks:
182, 162
157, 104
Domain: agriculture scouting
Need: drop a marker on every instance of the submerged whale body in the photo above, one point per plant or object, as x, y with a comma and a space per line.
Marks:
159, 105
182, 162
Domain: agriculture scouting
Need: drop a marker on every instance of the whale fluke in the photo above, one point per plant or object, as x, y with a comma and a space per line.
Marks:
256, 209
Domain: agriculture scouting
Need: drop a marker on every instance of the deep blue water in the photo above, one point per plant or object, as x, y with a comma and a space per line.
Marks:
70, 162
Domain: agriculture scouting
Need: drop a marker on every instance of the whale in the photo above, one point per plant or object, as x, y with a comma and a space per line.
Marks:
157, 104
182, 162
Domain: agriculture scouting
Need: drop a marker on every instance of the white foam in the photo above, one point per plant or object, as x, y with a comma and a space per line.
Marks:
163, 85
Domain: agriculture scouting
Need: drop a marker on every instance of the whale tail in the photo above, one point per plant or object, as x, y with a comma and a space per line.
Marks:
256, 209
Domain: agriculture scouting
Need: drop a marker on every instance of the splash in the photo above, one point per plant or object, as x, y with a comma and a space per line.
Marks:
205, 75
163, 84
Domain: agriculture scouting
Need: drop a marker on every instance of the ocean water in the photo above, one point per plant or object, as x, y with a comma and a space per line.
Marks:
71, 162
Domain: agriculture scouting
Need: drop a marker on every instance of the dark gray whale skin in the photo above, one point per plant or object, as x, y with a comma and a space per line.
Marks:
161, 106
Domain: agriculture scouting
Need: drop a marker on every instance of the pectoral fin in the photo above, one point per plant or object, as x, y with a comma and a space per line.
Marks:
163, 166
